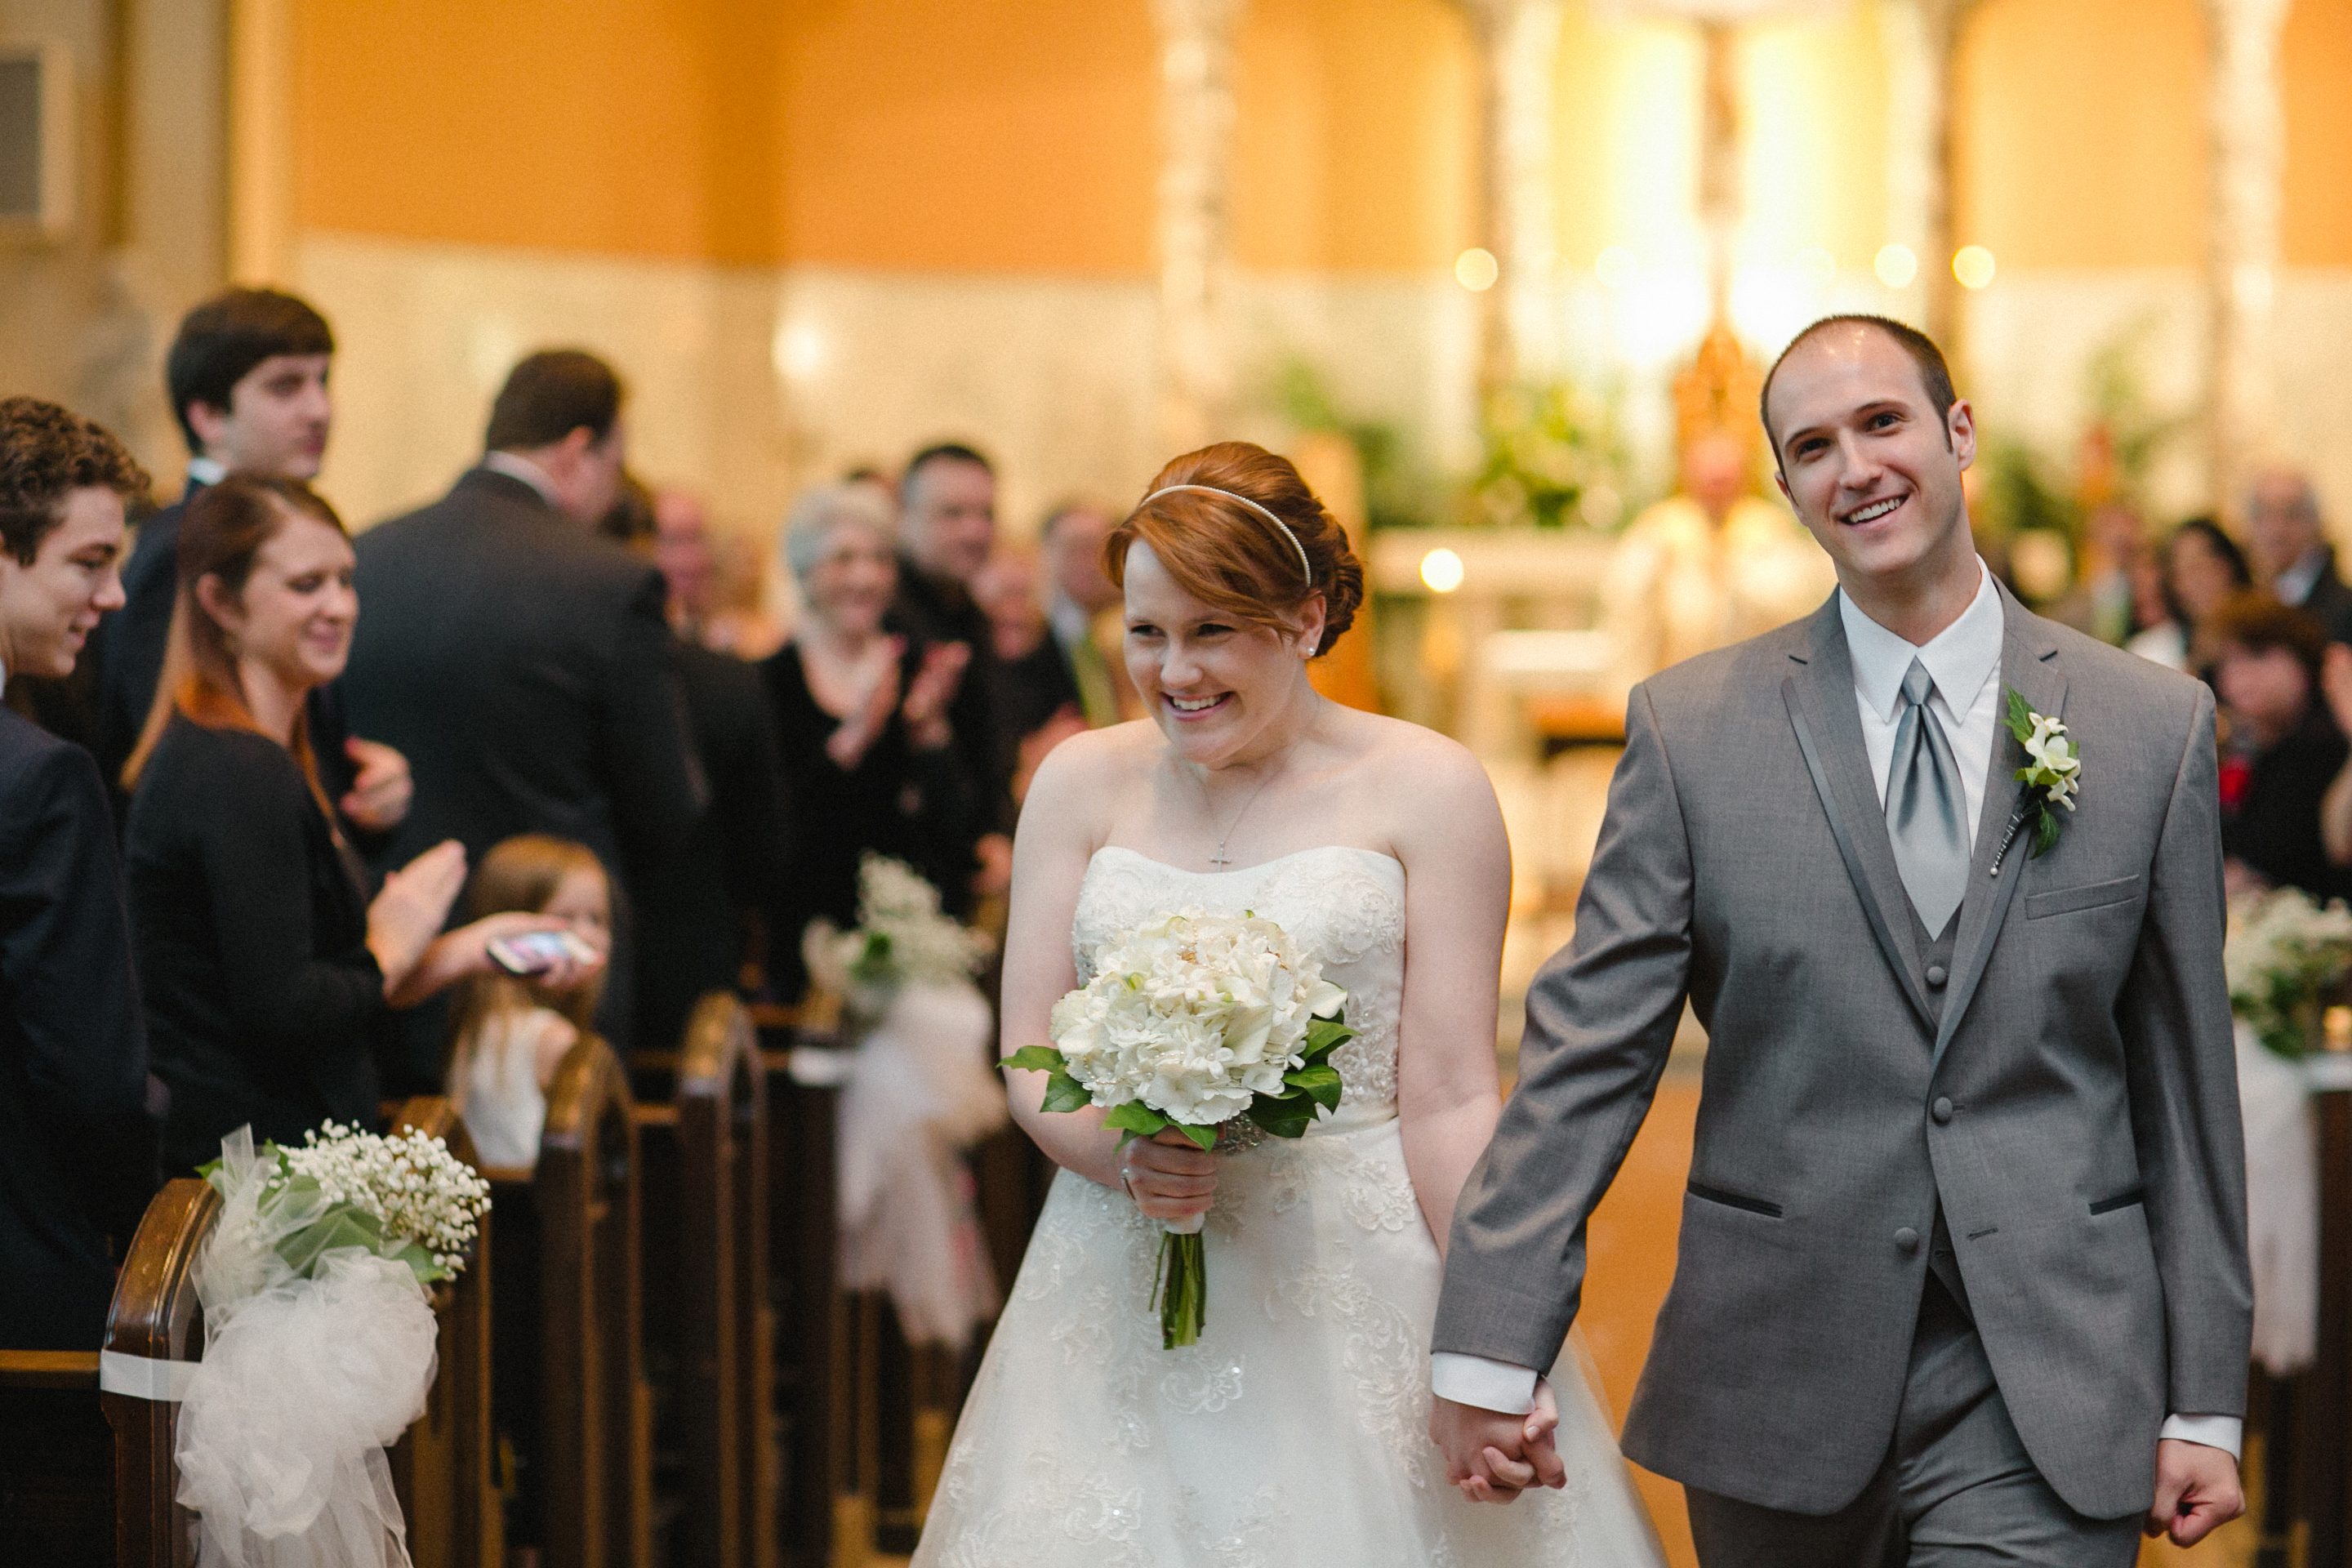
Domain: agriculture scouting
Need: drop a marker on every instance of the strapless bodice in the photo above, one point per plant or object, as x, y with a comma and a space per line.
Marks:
1345, 905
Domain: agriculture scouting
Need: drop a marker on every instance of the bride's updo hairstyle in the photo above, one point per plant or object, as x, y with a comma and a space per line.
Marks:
1226, 554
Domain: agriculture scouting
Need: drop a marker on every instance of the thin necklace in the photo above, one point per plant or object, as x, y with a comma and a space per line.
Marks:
1221, 859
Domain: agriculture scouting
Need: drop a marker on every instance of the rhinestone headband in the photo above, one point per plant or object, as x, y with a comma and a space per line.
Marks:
1306, 568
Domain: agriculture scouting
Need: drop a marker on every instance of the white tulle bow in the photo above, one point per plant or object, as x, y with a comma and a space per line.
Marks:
921, 1092
303, 1384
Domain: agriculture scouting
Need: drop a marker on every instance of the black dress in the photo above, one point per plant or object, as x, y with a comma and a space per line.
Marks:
2269, 810
264, 1004
921, 808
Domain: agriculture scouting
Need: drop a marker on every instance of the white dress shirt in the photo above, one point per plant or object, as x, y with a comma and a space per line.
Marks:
206, 470
526, 470
1964, 661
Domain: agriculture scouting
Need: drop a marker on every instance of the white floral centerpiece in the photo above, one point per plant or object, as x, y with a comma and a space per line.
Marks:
2283, 951
901, 937
318, 1341
1205, 1024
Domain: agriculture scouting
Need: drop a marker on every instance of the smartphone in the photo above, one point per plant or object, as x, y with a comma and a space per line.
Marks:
536, 951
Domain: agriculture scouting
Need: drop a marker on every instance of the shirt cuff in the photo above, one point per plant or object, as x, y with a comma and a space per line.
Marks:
1500, 1386
2226, 1433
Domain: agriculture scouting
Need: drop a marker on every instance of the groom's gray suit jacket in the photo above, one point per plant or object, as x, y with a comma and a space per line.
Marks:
2067, 1092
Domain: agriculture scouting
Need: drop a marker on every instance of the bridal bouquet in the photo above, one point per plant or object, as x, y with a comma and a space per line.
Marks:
1203, 1023
2284, 948
318, 1341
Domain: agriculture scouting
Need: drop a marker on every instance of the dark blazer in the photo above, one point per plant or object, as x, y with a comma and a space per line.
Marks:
2331, 601
77, 1148
264, 1004
916, 806
2064, 1094
693, 929
522, 664
127, 652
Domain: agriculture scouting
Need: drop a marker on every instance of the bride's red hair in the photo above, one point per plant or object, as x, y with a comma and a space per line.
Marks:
1224, 554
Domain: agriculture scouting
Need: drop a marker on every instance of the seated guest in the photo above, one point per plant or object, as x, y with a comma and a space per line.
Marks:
1084, 611
247, 381
869, 755
2283, 750
2201, 567
269, 972
76, 1145
509, 1031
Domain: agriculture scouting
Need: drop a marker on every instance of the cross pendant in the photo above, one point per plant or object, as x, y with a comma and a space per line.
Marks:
1221, 859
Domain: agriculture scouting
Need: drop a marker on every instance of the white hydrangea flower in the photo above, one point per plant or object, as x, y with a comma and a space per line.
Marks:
1193, 1014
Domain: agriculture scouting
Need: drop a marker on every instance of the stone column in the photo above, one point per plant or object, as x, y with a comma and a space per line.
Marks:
1196, 96
1921, 41
1518, 51
2246, 127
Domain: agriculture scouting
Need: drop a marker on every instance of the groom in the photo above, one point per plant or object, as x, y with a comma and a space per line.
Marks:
1962, 1276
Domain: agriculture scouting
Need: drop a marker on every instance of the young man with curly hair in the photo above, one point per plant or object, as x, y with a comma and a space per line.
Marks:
77, 1138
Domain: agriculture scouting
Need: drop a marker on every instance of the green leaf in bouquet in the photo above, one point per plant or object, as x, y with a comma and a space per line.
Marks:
1320, 1082
1036, 1058
1135, 1119
1326, 1035
1063, 1093
342, 1225
1284, 1116
873, 966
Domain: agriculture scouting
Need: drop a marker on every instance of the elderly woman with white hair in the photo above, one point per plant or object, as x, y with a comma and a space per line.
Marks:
862, 721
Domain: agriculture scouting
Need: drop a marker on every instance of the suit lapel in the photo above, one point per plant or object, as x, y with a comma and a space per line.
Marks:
2028, 663
1818, 694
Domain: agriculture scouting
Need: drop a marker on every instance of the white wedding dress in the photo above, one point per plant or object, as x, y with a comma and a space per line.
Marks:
1295, 1434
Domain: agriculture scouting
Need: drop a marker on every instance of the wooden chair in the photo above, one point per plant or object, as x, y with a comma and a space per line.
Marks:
578, 1217
156, 1325
705, 1162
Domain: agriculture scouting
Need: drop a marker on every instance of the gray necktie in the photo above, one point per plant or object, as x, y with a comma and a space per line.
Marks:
1924, 803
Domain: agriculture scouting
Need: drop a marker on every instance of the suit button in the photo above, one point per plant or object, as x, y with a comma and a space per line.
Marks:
1937, 975
1907, 1240
1941, 1110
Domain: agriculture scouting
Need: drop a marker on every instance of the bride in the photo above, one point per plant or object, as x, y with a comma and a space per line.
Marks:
1293, 1433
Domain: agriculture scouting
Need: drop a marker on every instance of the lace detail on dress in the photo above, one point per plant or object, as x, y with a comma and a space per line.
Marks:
1346, 905
1058, 1502
1251, 1541
1385, 1355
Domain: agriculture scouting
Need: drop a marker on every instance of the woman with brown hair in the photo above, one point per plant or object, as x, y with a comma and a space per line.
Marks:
508, 1032
266, 971
1295, 1429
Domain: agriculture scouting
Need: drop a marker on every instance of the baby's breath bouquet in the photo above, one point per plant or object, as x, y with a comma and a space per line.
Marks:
405, 1197
1205, 1024
2283, 950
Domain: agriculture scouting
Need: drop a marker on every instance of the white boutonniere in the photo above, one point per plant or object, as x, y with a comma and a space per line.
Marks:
2053, 777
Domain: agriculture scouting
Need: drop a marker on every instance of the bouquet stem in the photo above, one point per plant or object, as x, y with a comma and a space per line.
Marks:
1179, 1287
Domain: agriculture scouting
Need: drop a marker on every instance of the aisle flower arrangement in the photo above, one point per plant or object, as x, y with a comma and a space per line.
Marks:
901, 936
318, 1341
2284, 949
1216, 1026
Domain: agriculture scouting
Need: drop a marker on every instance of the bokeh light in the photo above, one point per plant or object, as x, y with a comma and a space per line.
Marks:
1476, 270
1973, 267
1442, 570
1897, 266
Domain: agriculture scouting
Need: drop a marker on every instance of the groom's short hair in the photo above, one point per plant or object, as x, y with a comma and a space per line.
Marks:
1934, 375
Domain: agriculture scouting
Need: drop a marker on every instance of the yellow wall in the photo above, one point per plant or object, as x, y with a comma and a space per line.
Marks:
2318, 71
999, 137
2082, 134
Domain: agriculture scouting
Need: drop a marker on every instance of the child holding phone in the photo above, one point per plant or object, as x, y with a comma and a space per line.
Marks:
509, 1027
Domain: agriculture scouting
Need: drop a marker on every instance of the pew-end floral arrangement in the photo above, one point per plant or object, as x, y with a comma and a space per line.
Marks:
902, 936
1215, 1026
320, 1339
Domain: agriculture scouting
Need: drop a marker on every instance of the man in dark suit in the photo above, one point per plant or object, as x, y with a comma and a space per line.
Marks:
520, 662
947, 528
77, 1140
248, 380
2292, 555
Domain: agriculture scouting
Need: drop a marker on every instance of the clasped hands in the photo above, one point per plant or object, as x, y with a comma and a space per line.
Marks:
1492, 1457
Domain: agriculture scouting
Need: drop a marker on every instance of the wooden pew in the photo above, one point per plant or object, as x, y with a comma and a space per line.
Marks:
577, 1218
706, 1162
828, 1522
441, 1466
130, 1477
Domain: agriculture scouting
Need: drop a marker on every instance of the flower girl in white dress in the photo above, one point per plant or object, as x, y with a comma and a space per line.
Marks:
1294, 1432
